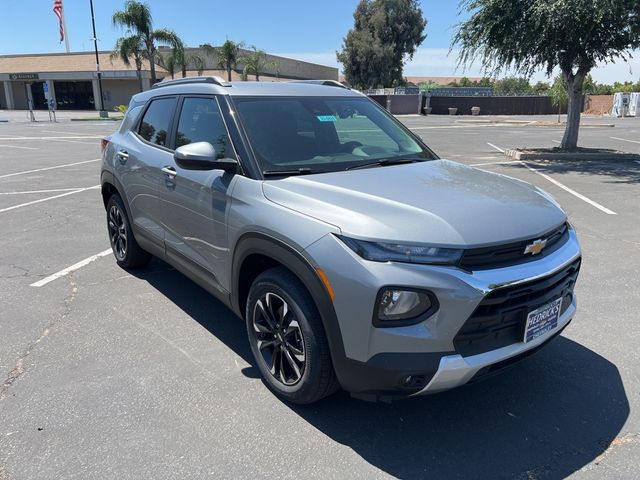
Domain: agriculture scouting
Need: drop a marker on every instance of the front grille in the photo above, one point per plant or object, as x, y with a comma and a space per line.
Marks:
500, 318
509, 254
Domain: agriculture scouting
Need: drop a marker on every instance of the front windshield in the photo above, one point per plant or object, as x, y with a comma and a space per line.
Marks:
320, 134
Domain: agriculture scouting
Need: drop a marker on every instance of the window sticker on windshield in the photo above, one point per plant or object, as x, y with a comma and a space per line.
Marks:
326, 118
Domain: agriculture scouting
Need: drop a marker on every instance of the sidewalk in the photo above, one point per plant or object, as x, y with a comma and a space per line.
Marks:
22, 116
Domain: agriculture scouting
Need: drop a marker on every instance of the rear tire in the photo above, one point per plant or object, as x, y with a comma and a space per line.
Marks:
288, 339
125, 248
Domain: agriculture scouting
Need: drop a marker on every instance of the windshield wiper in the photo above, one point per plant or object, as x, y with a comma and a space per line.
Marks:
385, 162
284, 173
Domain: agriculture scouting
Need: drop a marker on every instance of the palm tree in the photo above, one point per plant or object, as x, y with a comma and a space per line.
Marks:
136, 19
169, 63
228, 55
255, 63
131, 47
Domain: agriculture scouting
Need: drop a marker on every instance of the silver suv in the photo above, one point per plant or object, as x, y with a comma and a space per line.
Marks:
356, 257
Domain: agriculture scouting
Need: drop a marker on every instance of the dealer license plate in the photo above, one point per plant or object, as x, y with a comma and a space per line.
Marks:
542, 320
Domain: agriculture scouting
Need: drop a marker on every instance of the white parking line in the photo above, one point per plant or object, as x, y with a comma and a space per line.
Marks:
624, 140
572, 192
48, 168
48, 198
16, 146
497, 148
73, 141
26, 192
556, 141
72, 268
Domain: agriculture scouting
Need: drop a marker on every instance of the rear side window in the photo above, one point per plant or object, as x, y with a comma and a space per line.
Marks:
130, 118
154, 127
201, 121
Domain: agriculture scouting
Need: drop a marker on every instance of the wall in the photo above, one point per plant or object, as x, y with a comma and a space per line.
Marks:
118, 92
287, 68
19, 95
535, 105
598, 104
399, 104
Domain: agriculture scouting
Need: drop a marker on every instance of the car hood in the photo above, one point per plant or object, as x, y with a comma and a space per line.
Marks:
437, 202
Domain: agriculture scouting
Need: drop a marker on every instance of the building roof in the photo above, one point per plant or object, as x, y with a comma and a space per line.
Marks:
65, 62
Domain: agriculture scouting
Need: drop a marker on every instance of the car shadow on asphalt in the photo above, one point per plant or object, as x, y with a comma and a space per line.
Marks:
547, 417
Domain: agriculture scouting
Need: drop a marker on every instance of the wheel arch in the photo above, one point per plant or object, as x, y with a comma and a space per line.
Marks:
255, 253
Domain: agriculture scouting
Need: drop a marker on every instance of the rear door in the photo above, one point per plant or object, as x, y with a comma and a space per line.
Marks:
142, 153
194, 203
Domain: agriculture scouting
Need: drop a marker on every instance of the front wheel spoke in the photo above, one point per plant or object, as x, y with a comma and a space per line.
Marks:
298, 353
262, 344
274, 361
266, 315
293, 327
283, 314
258, 327
292, 362
281, 365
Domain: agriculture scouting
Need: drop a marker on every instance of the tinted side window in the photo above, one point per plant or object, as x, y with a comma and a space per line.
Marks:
201, 121
155, 124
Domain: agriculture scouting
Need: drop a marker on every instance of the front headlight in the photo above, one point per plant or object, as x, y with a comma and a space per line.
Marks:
394, 252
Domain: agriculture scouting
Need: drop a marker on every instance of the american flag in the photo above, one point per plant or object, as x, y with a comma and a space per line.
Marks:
57, 9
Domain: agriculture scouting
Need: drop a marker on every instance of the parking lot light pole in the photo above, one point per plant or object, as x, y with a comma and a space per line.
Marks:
103, 112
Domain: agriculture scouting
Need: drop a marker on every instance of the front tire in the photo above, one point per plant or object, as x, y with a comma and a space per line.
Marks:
125, 248
287, 338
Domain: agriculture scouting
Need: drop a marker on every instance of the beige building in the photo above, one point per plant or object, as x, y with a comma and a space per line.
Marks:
71, 81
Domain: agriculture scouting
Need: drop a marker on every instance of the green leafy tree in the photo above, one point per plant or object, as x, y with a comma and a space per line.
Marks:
541, 88
386, 33
131, 48
136, 19
558, 94
512, 86
528, 35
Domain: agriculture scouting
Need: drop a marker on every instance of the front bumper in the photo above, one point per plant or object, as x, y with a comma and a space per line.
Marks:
456, 370
379, 360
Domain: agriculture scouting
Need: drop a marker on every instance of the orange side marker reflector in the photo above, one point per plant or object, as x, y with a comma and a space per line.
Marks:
325, 281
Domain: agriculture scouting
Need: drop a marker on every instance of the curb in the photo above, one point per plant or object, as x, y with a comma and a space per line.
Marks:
613, 155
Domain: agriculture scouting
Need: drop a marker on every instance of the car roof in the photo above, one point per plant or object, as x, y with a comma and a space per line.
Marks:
215, 85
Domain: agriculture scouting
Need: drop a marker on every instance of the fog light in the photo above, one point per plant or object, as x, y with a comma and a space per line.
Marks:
402, 306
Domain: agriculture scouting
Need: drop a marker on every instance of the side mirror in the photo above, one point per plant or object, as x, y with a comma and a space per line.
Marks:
202, 156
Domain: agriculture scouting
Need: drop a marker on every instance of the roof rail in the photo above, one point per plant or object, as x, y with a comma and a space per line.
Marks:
328, 83
182, 81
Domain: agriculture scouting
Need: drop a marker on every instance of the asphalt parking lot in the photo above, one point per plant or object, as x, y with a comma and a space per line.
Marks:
111, 374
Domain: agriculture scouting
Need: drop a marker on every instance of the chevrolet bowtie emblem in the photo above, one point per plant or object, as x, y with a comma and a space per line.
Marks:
536, 247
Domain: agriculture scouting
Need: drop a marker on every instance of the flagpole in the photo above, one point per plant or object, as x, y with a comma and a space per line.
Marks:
64, 27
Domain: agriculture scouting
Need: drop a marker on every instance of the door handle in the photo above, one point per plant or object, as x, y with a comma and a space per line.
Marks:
122, 155
170, 171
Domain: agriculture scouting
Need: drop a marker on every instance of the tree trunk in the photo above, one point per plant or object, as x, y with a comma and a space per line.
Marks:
139, 75
575, 85
184, 70
151, 53
228, 73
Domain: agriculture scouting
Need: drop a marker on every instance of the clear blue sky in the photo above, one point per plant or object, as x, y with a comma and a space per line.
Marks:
309, 30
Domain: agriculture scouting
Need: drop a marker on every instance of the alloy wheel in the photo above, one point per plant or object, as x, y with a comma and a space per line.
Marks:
279, 338
117, 232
